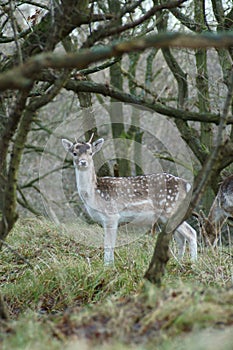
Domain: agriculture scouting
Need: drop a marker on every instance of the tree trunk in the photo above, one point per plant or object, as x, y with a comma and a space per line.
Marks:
160, 258
202, 85
90, 128
117, 118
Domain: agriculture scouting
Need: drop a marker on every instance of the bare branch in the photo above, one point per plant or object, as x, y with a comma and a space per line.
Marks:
13, 23
33, 3
6, 39
110, 30
185, 20
106, 90
21, 77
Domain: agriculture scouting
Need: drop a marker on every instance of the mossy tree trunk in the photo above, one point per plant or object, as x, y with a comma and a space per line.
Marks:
202, 85
9, 171
89, 124
23, 115
3, 121
134, 133
116, 112
156, 269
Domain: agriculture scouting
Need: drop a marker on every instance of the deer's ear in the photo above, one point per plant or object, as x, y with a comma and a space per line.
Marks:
67, 145
96, 146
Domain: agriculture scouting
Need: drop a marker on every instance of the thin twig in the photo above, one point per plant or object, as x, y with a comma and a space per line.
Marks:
13, 22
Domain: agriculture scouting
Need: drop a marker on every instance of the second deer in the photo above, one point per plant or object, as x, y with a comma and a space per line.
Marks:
220, 211
139, 199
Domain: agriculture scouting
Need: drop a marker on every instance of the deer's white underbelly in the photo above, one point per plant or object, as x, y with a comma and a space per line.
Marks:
142, 218
137, 213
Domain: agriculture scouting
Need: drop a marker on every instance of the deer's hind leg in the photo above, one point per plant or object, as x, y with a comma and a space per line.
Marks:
181, 244
184, 233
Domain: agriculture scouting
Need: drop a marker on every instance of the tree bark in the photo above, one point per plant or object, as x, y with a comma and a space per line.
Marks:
116, 112
161, 255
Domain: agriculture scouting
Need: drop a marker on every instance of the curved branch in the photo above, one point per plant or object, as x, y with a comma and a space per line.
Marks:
9, 39
34, 3
106, 90
218, 10
22, 76
185, 20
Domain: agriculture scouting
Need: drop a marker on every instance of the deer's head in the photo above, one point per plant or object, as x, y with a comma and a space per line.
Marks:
82, 152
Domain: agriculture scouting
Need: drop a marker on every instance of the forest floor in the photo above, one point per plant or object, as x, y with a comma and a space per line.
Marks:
59, 295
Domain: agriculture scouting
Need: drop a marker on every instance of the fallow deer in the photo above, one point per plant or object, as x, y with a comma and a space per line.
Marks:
220, 211
144, 199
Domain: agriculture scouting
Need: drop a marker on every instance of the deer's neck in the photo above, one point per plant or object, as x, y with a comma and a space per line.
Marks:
86, 182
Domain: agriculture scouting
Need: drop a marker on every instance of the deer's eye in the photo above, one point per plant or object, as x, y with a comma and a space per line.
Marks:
74, 154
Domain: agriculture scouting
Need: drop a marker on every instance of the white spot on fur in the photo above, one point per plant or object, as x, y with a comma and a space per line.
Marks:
188, 187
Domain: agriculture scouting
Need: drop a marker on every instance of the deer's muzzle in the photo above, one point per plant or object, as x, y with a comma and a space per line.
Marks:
82, 163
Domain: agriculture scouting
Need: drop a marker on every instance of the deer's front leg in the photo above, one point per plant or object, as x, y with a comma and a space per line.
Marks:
110, 234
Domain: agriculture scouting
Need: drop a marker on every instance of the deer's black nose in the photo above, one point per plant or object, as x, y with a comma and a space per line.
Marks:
83, 163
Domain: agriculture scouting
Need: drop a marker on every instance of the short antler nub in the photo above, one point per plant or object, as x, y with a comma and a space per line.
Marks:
91, 138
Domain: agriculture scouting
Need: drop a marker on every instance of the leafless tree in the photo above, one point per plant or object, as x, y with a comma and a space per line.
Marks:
55, 46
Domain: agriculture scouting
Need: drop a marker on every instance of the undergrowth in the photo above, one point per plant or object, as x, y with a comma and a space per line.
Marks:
59, 295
